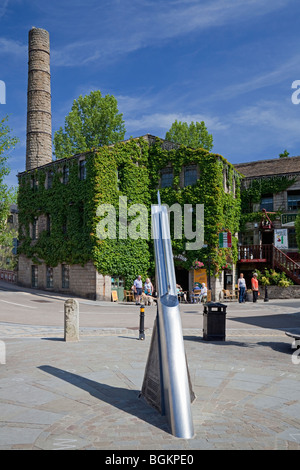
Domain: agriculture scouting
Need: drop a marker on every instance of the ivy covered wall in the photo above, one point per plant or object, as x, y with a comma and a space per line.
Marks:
252, 192
130, 169
218, 188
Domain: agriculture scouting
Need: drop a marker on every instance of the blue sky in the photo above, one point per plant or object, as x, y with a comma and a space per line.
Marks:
230, 63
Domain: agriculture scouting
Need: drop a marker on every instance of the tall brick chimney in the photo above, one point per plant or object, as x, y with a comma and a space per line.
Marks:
39, 133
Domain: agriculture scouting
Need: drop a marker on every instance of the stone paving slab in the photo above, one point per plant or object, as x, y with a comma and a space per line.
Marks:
84, 395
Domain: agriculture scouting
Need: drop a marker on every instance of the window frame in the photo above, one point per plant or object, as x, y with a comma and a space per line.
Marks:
82, 170
188, 168
65, 276
49, 277
169, 174
268, 206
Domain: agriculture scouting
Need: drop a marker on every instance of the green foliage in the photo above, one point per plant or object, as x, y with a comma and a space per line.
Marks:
297, 229
285, 154
221, 208
74, 205
130, 169
259, 187
194, 135
7, 259
273, 278
93, 121
7, 142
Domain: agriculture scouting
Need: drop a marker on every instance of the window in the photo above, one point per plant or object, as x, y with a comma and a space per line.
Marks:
65, 275
81, 218
65, 174
293, 200
48, 224
266, 202
226, 182
49, 277
190, 175
34, 276
49, 179
118, 179
166, 178
35, 229
65, 226
82, 170
34, 183
292, 238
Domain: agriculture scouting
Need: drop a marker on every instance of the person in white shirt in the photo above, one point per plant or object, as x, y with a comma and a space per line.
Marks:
137, 288
203, 292
241, 288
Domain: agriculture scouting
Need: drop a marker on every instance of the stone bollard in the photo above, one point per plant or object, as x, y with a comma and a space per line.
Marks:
71, 320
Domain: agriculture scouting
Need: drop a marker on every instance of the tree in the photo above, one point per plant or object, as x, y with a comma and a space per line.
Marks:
194, 135
285, 154
93, 121
6, 194
297, 230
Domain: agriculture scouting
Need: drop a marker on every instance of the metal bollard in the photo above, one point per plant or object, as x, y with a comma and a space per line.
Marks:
142, 318
266, 299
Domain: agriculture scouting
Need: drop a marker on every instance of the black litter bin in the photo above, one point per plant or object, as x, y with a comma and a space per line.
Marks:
214, 321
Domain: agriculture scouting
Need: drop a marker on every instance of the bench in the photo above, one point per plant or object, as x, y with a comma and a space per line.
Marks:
296, 339
228, 295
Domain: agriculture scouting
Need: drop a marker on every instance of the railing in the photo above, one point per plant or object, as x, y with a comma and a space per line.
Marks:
8, 276
272, 256
286, 264
255, 253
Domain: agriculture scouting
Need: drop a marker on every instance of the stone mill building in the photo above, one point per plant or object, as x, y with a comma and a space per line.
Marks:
59, 201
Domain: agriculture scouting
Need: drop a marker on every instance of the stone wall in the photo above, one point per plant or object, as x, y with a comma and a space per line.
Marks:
84, 281
277, 292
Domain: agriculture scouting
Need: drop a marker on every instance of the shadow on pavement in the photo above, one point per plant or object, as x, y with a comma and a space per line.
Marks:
198, 339
122, 398
278, 321
277, 346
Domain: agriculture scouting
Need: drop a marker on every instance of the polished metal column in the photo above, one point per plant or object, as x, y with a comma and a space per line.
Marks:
167, 369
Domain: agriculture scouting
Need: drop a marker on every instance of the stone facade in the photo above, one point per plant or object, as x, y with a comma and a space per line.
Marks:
83, 281
39, 133
277, 292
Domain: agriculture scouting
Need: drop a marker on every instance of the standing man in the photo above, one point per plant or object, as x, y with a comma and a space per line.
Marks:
138, 287
254, 287
241, 288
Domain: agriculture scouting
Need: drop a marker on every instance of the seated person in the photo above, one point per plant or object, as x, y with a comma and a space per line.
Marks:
195, 296
148, 291
180, 293
203, 292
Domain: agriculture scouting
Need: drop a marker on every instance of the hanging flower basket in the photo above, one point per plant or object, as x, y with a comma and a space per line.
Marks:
227, 266
197, 264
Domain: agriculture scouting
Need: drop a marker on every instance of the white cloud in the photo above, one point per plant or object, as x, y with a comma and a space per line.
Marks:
11, 47
164, 121
3, 8
131, 25
275, 120
263, 80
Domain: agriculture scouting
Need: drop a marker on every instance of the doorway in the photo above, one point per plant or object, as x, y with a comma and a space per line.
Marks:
267, 237
117, 284
182, 277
